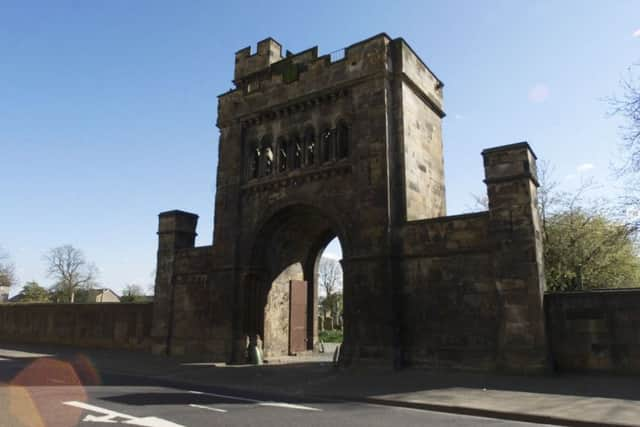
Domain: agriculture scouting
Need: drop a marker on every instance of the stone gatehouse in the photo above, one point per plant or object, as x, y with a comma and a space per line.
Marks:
350, 146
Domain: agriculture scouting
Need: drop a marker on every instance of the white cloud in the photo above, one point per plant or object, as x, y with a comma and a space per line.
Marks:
539, 93
584, 167
633, 214
331, 255
636, 33
459, 116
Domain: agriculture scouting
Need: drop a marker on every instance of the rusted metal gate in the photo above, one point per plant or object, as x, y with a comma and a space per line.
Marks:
297, 316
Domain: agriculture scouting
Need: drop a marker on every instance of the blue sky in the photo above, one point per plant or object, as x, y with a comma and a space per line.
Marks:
108, 109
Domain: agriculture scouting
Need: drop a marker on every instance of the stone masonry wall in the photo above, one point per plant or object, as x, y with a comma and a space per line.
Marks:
450, 296
193, 293
421, 138
202, 319
107, 325
595, 330
424, 166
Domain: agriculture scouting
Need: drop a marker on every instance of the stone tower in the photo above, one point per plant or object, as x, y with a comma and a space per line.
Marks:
317, 147
346, 145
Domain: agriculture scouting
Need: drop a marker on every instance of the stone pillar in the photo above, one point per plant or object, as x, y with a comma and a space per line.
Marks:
176, 230
515, 232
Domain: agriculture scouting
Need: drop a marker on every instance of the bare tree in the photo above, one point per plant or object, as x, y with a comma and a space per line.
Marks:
329, 276
330, 281
628, 106
68, 266
480, 201
7, 270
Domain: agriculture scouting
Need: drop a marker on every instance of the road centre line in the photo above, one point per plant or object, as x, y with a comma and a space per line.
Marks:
208, 408
224, 396
289, 406
259, 402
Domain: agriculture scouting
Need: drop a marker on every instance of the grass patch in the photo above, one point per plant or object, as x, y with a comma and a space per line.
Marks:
331, 336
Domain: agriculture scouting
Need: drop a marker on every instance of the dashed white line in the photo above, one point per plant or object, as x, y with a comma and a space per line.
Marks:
225, 396
288, 406
259, 402
208, 408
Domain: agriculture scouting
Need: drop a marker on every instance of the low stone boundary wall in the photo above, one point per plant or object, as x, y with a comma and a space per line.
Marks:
107, 325
595, 330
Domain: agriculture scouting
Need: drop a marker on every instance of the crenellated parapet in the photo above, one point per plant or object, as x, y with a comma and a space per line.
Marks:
307, 75
268, 52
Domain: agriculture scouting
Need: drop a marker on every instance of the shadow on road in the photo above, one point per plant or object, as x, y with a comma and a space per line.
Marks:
111, 367
186, 398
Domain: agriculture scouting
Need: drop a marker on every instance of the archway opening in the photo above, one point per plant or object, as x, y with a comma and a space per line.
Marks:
329, 280
296, 276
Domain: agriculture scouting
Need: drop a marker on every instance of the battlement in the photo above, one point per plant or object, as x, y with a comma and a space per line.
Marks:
268, 52
268, 61
282, 78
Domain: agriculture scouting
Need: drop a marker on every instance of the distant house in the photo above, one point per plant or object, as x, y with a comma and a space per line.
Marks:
4, 294
84, 296
102, 295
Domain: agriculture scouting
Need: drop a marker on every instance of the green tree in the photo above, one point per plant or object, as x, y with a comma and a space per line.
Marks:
33, 292
587, 244
133, 293
586, 250
81, 296
332, 304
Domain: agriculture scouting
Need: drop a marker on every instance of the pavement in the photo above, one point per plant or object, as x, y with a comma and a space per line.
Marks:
568, 399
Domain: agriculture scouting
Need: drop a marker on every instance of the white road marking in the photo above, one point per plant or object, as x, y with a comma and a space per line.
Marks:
109, 416
209, 408
289, 406
3, 359
225, 396
259, 402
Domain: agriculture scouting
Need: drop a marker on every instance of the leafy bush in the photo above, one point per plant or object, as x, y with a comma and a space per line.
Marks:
331, 336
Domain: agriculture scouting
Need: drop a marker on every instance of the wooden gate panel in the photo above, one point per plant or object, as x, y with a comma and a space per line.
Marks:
297, 316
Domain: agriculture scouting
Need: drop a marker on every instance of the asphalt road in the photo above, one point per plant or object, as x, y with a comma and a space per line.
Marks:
49, 392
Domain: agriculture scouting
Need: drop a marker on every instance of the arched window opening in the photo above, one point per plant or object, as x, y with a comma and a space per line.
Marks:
283, 153
254, 162
298, 152
326, 141
267, 156
343, 140
310, 146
